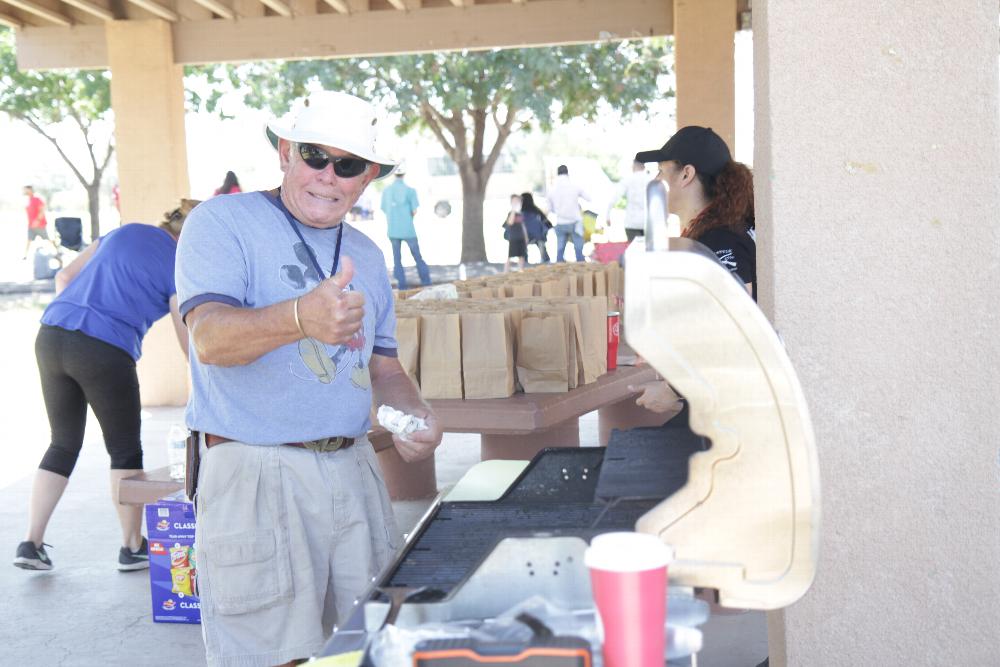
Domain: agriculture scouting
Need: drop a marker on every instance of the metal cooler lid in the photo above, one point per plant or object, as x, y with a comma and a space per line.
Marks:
747, 521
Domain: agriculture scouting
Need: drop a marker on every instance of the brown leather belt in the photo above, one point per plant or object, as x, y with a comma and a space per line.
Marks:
322, 445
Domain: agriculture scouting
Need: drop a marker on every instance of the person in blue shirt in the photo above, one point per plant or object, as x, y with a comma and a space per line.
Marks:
399, 203
87, 346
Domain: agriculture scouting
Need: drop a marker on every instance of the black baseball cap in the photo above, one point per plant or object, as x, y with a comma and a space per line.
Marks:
694, 145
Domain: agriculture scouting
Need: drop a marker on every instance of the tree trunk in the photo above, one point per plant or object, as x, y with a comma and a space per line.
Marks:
94, 204
473, 195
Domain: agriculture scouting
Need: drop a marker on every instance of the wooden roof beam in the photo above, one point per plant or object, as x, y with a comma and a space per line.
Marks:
11, 22
213, 6
279, 7
92, 9
159, 10
339, 5
38, 10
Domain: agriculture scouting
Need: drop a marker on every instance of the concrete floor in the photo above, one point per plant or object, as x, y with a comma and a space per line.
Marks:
84, 612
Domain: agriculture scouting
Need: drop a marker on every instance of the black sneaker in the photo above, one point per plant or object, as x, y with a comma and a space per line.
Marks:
134, 560
30, 557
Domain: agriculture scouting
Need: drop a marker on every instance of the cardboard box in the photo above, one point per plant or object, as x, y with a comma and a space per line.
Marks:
173, 567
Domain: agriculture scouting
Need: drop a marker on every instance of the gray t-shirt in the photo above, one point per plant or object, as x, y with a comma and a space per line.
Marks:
242, 250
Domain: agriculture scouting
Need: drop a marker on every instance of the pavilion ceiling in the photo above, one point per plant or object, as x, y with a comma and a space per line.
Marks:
70, 33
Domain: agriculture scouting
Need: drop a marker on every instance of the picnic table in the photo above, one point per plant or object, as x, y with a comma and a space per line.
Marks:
512, 428
518, 427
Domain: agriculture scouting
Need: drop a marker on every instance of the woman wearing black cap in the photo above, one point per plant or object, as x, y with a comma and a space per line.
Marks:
712, 195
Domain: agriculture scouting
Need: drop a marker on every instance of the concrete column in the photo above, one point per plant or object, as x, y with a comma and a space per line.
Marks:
876, 165
703, 52
147, 96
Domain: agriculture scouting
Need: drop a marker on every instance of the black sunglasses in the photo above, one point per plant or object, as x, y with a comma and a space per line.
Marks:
343, 167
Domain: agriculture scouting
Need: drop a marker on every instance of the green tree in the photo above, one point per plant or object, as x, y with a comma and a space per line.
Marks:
472, 101
44, 99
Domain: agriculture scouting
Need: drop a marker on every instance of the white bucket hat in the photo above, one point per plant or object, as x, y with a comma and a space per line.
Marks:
337, 120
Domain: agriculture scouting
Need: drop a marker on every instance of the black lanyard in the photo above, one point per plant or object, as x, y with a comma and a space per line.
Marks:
295, 228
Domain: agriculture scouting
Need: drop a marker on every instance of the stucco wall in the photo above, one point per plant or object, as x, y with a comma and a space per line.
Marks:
877, 162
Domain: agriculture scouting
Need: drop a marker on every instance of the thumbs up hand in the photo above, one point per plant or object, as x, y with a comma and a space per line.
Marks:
329, 313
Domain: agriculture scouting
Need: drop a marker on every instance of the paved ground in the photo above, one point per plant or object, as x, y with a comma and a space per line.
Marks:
84, 612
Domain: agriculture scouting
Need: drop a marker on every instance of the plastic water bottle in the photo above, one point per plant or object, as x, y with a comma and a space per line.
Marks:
463, 274
177, 450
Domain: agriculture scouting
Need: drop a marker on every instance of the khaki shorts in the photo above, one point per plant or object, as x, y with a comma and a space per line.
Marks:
287, 539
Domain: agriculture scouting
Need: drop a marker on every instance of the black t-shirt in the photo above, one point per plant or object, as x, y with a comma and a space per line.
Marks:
514, 231
737, 252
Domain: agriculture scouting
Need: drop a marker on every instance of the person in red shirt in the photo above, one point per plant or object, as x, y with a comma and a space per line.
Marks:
36, 218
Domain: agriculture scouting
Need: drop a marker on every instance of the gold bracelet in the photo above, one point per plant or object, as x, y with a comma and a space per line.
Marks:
295, 312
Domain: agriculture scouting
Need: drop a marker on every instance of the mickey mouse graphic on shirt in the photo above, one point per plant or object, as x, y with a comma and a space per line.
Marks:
323, 361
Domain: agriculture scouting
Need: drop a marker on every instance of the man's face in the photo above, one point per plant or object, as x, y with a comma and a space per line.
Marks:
28, 192
318, 197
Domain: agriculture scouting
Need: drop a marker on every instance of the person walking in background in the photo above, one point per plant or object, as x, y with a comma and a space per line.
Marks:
90, 338
399, 203
37, 224
564, 203
230, 185
633, 188
535, 223
516, 235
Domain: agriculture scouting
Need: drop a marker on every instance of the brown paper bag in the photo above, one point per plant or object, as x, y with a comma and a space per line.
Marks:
600, 283
521, 289
408, 338
487, 355
574, 341
575, 348
594, 316
541, 358
440, 355
553, 287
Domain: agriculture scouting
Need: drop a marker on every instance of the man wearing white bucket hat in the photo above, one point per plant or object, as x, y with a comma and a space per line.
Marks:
292, 329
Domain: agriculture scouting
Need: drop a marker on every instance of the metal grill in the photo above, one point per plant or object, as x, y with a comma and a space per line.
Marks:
460, 535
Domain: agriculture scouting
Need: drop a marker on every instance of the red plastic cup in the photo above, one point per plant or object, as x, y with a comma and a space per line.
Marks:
613, 331
628, 575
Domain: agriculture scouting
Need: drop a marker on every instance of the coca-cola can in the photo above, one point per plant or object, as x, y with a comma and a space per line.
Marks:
614, 318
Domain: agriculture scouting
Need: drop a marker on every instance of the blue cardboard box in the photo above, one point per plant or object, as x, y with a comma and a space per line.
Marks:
173, 567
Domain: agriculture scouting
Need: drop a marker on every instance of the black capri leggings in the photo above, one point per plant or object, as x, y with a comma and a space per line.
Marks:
77, 369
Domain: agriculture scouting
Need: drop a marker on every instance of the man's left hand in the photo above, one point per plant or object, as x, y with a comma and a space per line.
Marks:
419, 444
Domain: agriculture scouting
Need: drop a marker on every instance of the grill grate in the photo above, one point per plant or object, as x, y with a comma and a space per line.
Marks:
649, 462
557, 494
460, 535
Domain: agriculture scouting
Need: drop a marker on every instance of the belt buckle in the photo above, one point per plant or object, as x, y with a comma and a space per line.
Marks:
324, 445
